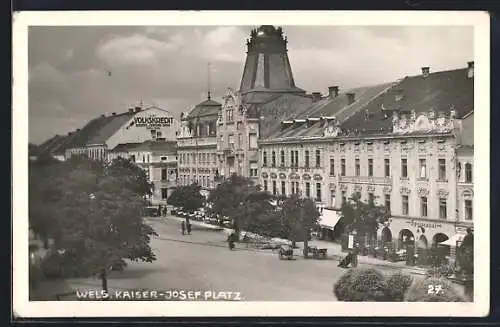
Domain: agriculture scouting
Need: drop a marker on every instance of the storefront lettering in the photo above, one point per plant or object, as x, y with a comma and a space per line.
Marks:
414, 223
153, 121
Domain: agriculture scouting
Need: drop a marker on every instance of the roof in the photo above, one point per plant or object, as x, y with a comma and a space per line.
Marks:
337, 107
157, 146
278, 109
206, 108
440, 92
99, 130
124, 147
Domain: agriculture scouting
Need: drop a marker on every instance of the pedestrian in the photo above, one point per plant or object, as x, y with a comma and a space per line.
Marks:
230, 241
183, 228
188, 226
355, 253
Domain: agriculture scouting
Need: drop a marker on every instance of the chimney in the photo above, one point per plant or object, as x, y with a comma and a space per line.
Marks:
70, 133
425, 71
77, 129
137, 109
131, 110
333, 91
114, 113
470, 70
316, 96
350, 98
103, 115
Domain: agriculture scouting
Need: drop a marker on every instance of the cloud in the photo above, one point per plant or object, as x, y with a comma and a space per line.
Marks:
135, 49
167, 65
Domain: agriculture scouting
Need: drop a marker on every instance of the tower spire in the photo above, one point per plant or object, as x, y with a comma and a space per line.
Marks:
208, 81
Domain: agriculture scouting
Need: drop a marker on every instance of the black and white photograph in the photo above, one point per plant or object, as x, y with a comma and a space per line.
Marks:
246, 163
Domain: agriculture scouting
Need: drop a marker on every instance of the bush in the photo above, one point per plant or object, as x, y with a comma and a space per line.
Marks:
440, 271
397, 285
433, 290
361, 284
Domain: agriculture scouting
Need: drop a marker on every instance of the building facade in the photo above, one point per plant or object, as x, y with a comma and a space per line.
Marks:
197, 146
399, 148
102, 134
158, 159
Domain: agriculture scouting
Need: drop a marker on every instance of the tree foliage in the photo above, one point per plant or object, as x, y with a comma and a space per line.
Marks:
299, 215
241, 200
187, 197
364, 218
93, 212
466, 254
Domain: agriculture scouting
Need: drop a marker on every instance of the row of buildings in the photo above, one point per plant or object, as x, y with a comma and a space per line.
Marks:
408, 145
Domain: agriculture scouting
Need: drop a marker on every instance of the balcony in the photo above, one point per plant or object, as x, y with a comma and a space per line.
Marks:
366, 180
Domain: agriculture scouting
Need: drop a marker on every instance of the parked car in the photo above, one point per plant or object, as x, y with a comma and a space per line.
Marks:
151, 211
285, 251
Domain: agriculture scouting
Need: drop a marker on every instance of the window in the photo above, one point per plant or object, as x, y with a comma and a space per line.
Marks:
265, 186
253, 141
296, 159
371, 198
292, 158
153, 133
253, 172
404, 168
468, 209
306, 158
442, 169
308, 189
264, 159
405, 208
442, 208
423, 206
132, 157
194, 158
297, 191
387, 200
229, 115
274, 188
332, 167
158, 134
387, 167
164, 193
292, 187
357, 167
318, 158
468, 173
283, 188
342, 167
344, 197
423, 168
282, 158
273, 159
370, 167
318, 192
143, 158
163, 174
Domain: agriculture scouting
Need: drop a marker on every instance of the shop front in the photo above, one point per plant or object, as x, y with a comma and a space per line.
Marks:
416, 240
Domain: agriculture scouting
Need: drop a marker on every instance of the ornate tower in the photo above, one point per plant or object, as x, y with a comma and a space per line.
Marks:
267, 68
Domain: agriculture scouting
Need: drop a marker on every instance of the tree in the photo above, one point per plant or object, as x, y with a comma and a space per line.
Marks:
299, 216
239, 199
187, 197
363, 218
94, 214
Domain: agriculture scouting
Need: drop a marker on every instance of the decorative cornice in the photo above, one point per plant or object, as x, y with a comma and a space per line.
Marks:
443, 193
404, 190
422, 191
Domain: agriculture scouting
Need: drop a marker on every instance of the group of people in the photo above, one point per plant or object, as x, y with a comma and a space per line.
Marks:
186, 227
351, 258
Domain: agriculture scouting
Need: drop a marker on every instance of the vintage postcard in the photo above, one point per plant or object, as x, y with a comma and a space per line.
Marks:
250, 164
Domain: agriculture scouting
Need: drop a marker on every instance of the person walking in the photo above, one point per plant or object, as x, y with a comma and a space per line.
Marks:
183, 228
188, 226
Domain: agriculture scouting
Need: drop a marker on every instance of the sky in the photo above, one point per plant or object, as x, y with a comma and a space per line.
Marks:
167, 66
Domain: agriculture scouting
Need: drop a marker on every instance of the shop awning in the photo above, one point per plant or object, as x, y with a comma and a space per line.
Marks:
452, 241
329, 218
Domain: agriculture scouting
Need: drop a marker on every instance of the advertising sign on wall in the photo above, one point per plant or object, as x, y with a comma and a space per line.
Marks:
152, 121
